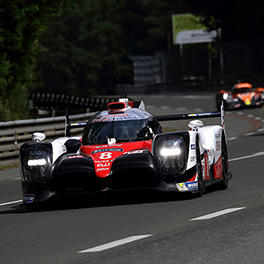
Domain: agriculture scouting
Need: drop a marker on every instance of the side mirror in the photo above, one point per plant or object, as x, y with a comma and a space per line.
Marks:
38, 136
195, 124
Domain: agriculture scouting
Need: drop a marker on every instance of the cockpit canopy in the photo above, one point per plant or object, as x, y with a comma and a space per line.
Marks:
133, 125
243, 90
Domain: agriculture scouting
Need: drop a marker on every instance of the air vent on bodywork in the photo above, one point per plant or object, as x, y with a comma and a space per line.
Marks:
116, 106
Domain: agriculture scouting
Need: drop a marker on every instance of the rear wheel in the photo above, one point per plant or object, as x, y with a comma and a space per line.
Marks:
224, 183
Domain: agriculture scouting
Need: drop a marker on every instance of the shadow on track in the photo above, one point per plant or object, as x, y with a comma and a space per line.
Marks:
104, 200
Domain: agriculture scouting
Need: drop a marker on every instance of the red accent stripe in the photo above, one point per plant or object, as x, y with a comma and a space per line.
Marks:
206, 172
218, 169
193, 178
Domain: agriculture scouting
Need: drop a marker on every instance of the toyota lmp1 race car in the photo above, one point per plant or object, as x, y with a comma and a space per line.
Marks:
123, 148
242, 95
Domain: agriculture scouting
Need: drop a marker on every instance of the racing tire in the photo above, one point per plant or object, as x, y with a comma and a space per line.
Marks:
224, 183
31, 207
201, 184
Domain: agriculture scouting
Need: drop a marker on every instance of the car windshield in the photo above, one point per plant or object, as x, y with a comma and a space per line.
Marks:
243, 90
122, 131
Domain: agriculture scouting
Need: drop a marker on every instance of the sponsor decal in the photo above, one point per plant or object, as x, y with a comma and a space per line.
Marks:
117, 117
192, 185
217, 145
107, 149
103, 165
134, 152
105, 146
247, 102
192, 146
201, 114
102, 169
75, 157
181, 187
28, 198
192, 159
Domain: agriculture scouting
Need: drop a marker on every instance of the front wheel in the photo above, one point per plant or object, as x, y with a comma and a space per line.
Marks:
201, 184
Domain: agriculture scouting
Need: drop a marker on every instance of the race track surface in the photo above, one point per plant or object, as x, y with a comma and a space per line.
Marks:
223, 226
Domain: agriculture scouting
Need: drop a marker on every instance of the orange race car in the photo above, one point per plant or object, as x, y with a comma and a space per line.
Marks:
242, 95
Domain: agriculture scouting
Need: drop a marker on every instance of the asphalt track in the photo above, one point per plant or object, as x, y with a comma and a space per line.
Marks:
223, 226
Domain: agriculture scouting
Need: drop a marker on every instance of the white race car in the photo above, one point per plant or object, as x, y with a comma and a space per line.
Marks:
124, 148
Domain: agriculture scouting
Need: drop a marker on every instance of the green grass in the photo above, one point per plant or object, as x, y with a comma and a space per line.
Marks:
9, 166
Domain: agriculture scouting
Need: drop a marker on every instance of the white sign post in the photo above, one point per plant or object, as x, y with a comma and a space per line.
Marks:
195, 36
198, 36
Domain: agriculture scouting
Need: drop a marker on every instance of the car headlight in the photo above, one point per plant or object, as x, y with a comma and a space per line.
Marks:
225, 96
168, 152
37, 162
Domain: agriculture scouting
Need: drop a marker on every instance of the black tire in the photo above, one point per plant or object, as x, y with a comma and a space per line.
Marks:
31, 207
224, 183
201, 185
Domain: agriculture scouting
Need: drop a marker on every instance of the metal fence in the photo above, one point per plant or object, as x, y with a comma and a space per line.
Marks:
14, 133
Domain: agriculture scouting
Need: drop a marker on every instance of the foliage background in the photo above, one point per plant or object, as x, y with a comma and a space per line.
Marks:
82, 47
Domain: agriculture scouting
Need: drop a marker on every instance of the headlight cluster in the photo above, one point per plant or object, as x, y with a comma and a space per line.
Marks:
171, 152
227, 97
35, 160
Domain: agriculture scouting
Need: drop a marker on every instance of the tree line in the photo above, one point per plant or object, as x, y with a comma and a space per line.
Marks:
82, 47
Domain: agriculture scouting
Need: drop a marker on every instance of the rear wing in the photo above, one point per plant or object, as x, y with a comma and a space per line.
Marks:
194, 116
140, 104
69, 125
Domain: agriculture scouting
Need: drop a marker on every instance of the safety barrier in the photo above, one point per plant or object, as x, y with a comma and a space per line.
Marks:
14, 133
62, 101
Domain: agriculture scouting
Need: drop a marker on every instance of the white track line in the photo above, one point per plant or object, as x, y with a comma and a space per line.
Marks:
181, 109
165, 107
114, 244
216, 214
198, 110
232, 138
249, 156
250, 134
12, 202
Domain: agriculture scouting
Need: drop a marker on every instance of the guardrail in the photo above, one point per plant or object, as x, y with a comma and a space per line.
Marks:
62, 101
14, 133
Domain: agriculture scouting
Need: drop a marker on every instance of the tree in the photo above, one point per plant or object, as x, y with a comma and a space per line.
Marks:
238, 19
21, 24
84, 49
